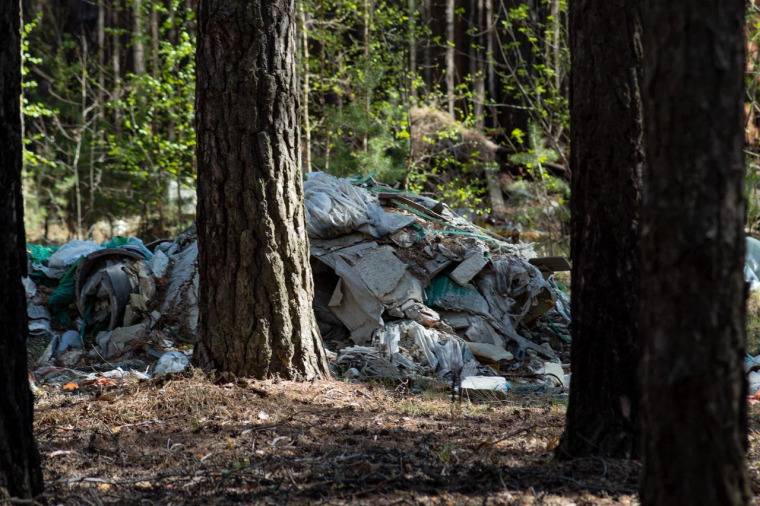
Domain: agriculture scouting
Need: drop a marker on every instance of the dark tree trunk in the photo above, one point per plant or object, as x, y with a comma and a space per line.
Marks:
255, 281
607, 156
19, 461
692, 289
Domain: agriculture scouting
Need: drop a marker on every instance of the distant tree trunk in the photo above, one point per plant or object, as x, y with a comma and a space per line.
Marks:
412, 7
20, 471
479, 28
427, 63
161, 178
116, 63
137, 37
607, 156
692, 289
154, 39
491, 79
306, 88
101, 27
256, 285
477, 60
172, 131
367, 70
450, 46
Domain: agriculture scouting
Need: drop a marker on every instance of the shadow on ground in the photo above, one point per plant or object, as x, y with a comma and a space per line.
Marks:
189, 441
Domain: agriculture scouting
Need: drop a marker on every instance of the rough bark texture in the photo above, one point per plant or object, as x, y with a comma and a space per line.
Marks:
256, 285
19, 461
607, 155
692, 290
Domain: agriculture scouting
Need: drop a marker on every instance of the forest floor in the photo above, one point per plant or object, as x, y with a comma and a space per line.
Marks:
189, 440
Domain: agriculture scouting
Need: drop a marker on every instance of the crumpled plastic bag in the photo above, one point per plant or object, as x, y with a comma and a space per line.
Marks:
171, 361
335, 207
67, 255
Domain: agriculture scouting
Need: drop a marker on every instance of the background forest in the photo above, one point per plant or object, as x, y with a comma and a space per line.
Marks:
466, 99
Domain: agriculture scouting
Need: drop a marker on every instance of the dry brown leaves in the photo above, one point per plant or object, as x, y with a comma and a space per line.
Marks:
190, 440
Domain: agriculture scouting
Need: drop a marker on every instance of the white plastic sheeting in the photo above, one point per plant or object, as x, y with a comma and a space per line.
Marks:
335, 207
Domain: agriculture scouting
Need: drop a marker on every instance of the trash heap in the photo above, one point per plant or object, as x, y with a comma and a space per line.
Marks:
104, 313
404, 288
421, 291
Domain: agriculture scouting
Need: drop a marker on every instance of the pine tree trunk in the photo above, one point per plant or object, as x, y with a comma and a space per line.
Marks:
607, 156
256, 285
116, 63
450, 46
137, 37
20, 471
490, 69
692, 288
367, 70
306, 89
477, 64
412, 9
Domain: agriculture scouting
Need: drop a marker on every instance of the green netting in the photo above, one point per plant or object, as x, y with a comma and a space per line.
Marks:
121, 241
40, 254
63, 296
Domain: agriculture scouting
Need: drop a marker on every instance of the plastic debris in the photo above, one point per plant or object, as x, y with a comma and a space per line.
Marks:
417, 289
171, 361
477, 385
159, 264
334, 207
65, 256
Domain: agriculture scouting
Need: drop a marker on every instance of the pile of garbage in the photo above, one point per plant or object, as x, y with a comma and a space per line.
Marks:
112, 311
404, 288
421, 291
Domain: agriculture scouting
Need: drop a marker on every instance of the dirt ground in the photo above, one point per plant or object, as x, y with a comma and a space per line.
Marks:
192, 440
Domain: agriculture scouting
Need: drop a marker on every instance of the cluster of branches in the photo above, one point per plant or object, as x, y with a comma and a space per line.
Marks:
109, 95
108, 106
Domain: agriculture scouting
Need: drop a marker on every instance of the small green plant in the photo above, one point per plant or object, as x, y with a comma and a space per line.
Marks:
445, 454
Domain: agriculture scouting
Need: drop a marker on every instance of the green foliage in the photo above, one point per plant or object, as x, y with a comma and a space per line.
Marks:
536, 70
102, 145
106, 144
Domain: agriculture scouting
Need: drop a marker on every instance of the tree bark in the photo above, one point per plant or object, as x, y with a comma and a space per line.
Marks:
20, 471
490, 69
412, 8
450, 46
116, 63
479, 28
692, 289
138, 46
256, 285
306, 89
607, 156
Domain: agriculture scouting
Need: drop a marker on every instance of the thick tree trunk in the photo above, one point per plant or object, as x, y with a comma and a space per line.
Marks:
607, 155
692, 289
20, 471
256, 285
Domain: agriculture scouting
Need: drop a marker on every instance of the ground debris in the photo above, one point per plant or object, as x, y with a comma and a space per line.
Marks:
187, 440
